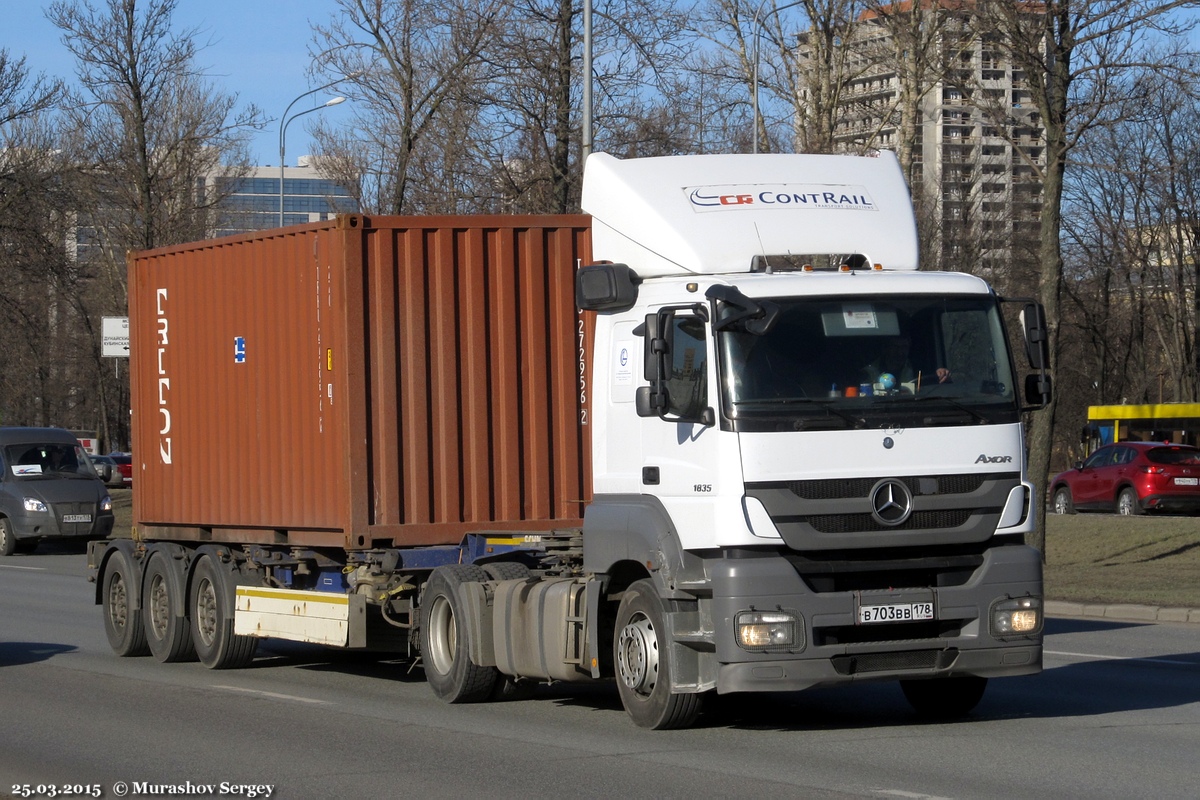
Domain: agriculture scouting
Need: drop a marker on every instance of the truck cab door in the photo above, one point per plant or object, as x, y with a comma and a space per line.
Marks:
681, 462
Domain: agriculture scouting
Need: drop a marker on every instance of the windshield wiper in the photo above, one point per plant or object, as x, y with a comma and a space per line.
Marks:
975, 415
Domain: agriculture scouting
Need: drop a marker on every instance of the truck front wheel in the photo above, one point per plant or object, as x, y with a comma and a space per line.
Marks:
643, 663
445, 643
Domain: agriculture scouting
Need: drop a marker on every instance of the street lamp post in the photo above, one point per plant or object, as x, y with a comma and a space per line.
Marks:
754, 88
284, 121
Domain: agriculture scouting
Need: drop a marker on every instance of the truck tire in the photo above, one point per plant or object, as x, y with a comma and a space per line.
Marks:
1062, 501
944, 698
445, 648
168, 633
643, 664
122, 619
210, 609
8, 540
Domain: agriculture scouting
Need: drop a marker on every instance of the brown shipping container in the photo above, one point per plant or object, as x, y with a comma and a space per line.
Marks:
366, 382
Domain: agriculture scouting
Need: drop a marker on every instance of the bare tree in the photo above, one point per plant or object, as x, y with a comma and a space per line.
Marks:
152, 122
409, 68
1073, 52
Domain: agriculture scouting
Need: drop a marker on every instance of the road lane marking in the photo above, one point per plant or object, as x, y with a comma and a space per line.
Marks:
272, 695
14, 566
1098, 657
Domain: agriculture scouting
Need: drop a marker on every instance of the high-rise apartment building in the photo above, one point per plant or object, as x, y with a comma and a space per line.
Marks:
978, 147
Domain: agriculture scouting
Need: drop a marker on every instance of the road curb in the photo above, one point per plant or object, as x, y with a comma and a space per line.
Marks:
1127, 612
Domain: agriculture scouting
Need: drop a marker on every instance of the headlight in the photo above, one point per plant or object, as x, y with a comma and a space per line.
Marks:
33, 504
769, 631
1019, 616
106, 503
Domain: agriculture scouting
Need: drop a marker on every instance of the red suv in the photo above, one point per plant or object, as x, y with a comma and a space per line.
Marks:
1131, 478
125, 465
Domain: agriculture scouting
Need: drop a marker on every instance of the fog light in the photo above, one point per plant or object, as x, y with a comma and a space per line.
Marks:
1018, 616
769, 631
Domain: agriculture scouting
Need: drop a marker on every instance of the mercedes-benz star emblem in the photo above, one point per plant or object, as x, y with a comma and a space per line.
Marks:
891, 502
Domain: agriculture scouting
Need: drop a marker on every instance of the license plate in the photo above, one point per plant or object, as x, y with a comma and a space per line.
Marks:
77, 518
899, 612
1186, 481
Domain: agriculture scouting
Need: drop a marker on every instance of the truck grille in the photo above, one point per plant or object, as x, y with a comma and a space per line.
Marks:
861, 487
819, 515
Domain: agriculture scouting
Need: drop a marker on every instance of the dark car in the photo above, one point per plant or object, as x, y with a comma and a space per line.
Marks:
48, 490
108, 470
1131, 478
125, 465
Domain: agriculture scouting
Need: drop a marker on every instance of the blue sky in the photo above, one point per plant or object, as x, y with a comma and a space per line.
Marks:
259, 52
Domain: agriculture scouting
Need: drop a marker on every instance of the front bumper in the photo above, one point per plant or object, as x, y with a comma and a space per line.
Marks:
48, 525
836, 649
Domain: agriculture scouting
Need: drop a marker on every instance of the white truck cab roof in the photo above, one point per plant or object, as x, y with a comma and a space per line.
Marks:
713, 214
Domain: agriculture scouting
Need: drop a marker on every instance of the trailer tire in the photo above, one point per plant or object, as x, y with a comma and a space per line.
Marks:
643, 663
122, 619
210, 609
944, 698
445, 645
168, 631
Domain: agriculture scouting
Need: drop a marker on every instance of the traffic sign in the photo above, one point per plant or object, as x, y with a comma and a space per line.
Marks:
114, 337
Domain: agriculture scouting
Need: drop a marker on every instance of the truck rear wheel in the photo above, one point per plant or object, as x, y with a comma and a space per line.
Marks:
944, 698
445, 644
211, 612
643, 663
122, 621
168, 632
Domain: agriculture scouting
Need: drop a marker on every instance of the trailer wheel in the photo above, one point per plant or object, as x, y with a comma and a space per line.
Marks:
8, 540
643, 663
445, 649
168, 632
944, 698
122, 621
211, 612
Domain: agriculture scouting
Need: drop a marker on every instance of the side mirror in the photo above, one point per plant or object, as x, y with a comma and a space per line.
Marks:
1037, 389
606, 287
1037, 340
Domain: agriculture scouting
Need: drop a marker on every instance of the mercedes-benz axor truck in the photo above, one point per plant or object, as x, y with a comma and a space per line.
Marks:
717, 434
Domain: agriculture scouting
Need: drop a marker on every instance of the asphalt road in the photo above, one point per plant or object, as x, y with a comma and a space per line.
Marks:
1115, 714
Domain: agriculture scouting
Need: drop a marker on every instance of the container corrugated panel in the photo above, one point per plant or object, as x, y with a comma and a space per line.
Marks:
367, 382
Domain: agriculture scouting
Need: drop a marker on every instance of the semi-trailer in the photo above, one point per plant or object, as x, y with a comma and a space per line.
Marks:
719, 433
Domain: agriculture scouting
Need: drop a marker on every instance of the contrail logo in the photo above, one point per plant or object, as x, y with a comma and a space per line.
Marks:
779, 196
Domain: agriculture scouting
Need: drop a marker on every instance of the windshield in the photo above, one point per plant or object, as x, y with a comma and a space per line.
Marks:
32, 461
853, 362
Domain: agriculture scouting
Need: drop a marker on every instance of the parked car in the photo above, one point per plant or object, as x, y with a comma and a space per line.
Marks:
125, 465
1131, 478
108, 470
48, 490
